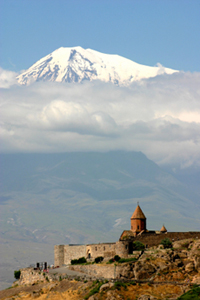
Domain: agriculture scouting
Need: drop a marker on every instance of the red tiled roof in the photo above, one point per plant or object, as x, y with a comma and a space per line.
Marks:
163, 229
138, 213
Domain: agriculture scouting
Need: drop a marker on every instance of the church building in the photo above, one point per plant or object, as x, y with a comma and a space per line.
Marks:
63, 254
138, 221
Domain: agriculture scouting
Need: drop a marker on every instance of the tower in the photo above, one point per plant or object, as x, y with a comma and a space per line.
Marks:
163, 229
138, 220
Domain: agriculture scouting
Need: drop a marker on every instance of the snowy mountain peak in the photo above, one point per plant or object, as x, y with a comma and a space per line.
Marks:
75, 64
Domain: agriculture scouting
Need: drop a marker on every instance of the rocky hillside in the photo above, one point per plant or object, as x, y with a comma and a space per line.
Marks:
157, 274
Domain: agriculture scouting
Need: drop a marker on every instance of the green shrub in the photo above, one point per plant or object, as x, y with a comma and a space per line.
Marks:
123, 260
119, 284
95, 282
191, 294
137, 245
148, 258
98, 259
81, 260
77, 278
125, 237
117, 257
111, 261
95, 290
17, 274
166, 243
47, 278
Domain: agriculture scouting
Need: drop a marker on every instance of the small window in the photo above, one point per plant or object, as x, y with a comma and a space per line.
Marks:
138, 227
95, 248
126, 246
104, 248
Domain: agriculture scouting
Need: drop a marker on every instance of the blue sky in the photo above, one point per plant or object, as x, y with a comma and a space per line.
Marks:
159, 117
146, 32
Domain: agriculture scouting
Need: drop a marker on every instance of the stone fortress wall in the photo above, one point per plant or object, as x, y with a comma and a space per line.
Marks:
63, 254
154, 239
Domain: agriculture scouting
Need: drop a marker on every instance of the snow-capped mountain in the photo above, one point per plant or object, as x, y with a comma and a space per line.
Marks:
77, 64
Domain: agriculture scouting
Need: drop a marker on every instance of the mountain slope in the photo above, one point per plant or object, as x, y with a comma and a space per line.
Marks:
41, 194
48, 199
76, 64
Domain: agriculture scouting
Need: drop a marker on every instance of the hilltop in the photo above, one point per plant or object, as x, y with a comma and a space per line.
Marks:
71, 198
156, 274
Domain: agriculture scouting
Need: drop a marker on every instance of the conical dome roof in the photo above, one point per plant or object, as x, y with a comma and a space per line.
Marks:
163, 229
138, 213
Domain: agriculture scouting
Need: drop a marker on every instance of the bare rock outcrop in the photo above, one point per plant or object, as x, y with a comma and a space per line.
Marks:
144, 271
197, 262
189, 267
106, 286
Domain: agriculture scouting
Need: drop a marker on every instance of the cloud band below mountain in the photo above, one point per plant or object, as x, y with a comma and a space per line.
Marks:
158, 116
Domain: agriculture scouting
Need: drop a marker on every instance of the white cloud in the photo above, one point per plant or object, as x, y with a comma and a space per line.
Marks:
158, 116
7, 78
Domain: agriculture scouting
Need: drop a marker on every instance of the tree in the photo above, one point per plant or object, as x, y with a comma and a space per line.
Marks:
81, 260
17, 274
166, 243
137, 245
117, 257
98, 259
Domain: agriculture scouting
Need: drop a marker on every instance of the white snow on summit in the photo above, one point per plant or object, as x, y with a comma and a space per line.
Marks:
75, 64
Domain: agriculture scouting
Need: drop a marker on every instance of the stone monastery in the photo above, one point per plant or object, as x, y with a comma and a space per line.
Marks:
63, 254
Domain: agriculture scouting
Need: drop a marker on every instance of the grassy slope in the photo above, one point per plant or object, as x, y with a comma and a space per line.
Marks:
193, 294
